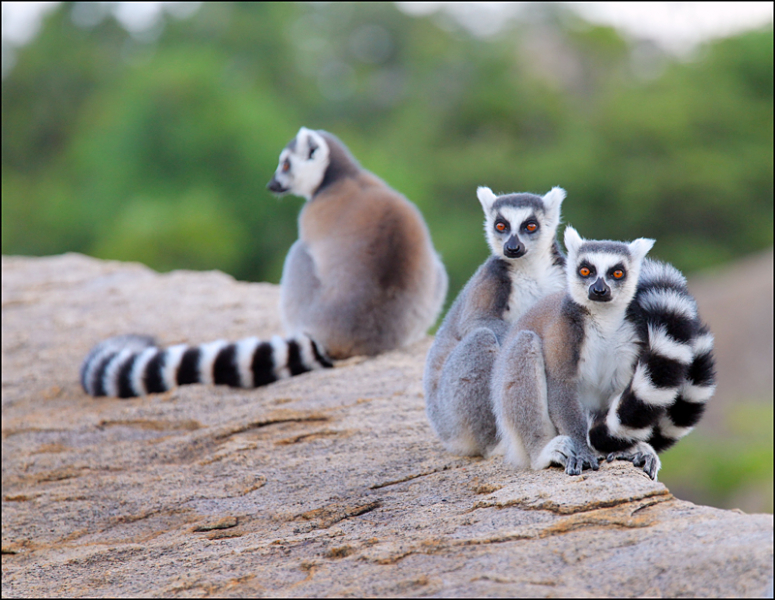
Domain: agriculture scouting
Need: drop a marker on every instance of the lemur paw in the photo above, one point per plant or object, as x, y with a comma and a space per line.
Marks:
641, 455
565, 452
583, 458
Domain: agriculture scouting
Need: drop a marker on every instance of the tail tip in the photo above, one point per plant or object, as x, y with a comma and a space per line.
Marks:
106, 349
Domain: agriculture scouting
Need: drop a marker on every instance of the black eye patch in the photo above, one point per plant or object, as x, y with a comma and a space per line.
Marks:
586, 269
501, 225
530, 225
617, 272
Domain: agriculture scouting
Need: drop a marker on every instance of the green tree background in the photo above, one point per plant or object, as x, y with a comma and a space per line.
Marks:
157, 148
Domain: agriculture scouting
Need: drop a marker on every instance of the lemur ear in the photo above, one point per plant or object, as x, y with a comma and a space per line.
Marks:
573, 240
640, 247
311, 147
486, 197
553, 199
308, 141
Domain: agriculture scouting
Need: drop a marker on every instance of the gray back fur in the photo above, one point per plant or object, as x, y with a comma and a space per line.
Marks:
363, 277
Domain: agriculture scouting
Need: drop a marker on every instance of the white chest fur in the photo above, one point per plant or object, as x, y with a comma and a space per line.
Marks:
530, 286
607, 361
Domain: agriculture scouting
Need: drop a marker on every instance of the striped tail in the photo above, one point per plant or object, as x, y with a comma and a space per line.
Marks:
681, 417
674, 376
132, 365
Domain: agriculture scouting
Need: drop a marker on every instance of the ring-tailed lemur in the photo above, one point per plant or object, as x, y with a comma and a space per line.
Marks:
525, 265
362, 278
569, 357
671, 380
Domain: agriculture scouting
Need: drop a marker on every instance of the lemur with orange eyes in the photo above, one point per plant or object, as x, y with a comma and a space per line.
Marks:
622, 349
526, 265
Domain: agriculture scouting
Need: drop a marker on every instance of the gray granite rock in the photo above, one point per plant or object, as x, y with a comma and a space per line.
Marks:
326, 484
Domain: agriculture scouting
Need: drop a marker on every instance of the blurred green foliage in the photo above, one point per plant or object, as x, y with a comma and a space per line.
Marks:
159, 150
736, 473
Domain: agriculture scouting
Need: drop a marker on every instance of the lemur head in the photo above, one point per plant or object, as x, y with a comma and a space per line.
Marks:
603, 271
303, 164
519, 225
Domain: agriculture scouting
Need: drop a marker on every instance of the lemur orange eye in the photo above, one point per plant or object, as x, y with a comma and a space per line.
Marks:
618, 274
584, 272
501, 226
286, 165
531, 227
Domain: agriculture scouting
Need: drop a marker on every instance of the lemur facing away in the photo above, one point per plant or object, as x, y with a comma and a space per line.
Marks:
362, 278
622, 348
526, 265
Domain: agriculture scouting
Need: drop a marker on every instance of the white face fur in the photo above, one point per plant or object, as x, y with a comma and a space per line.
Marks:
603, 273
519, 227
303, 164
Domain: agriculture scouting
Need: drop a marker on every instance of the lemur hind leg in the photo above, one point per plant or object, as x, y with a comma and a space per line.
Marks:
520, 399
329, 316
460, 409
300, 287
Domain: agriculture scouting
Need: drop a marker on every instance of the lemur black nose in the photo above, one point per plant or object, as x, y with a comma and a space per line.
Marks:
275, 186
513, 248
599, 290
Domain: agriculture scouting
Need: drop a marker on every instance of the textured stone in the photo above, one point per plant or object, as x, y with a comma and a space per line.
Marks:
326, 484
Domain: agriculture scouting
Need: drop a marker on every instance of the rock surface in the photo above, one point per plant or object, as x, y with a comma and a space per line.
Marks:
326, 484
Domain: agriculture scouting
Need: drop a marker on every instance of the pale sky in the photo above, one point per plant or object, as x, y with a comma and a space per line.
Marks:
676, 26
